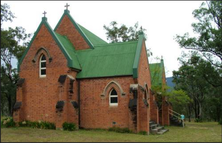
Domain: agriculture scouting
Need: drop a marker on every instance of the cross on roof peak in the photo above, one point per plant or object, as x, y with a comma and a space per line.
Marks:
44, 13
67, 6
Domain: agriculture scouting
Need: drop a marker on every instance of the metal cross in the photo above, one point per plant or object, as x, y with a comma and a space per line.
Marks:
44, 13
67, 6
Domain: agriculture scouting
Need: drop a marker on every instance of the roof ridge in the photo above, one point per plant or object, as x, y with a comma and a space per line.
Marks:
73, 52
137, 55
119, 43
92, 33
153, 63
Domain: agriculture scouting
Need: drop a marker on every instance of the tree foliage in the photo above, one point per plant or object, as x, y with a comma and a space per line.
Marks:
13, 44
209, 29
193, 77
201, 77
123, 33
6, 14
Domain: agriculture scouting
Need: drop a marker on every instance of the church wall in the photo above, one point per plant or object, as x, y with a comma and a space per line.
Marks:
41, 94
95, 109
143, 113
67, 28
154, 110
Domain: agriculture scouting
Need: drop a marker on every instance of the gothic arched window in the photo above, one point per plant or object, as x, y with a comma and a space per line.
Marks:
42, 66
113, 98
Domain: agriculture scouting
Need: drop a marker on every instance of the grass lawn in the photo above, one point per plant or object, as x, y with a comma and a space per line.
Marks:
192, 132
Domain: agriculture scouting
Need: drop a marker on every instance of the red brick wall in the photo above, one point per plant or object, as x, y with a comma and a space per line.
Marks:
69, 113
18, 115
143, 77
165, 113
40, 95
67, 28
95, 109
154, 111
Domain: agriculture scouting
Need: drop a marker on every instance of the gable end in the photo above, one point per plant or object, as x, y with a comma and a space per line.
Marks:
44, 22
66, 13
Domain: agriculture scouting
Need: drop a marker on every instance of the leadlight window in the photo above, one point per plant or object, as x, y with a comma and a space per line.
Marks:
113, 98
42, 66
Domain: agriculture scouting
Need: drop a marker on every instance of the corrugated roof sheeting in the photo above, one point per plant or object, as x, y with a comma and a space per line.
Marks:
107, 60
92, 37
70, 49
156, 71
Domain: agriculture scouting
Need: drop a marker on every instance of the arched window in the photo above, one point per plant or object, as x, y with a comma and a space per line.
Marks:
42, 66
113, 98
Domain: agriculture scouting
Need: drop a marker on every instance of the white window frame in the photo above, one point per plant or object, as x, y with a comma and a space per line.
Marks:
40, 66
110, 96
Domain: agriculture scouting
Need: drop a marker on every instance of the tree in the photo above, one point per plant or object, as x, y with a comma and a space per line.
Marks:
191, 77
123, 33
209, 29
13, 44
179, 100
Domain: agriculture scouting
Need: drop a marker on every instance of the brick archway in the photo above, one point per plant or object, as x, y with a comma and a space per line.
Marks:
111, 83
39, 50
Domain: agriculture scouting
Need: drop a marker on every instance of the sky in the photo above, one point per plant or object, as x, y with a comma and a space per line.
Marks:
163, 20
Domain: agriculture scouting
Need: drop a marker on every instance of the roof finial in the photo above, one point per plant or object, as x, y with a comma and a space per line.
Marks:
44, 13
67, 6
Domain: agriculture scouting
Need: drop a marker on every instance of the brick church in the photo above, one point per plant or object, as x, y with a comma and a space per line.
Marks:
71, 75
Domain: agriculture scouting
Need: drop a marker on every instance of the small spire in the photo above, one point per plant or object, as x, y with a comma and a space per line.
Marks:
141, 32
44, 13
67, 5
161, 59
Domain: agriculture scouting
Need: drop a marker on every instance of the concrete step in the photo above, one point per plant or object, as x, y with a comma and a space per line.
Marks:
152, 122
160, 128
162, 131
154, 131
157, 128
152, 126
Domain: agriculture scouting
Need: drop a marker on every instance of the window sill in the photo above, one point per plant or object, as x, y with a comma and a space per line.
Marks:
113, 105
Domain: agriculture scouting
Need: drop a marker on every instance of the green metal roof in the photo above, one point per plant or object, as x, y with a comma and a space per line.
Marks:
156, 71
92, 37
70, 49
114, 59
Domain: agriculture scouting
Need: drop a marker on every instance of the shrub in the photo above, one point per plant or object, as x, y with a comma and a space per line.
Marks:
48, 125
220, 122
120, 130
198, 120
23, 124
8, 122
69, 126
143, 133
39, 124
99, 129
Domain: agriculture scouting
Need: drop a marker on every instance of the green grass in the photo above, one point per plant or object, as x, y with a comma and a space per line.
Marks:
192, 132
